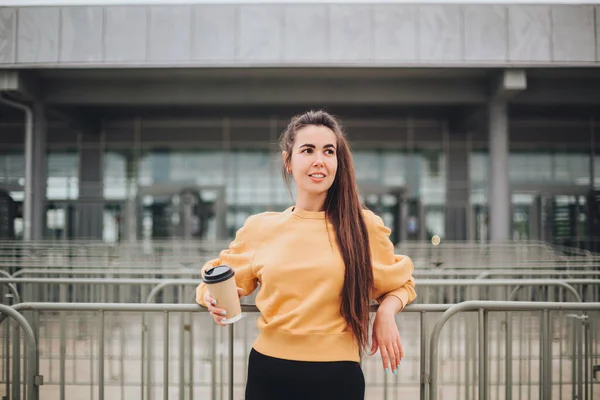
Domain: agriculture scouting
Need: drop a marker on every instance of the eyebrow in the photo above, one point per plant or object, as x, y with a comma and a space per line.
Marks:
312, 146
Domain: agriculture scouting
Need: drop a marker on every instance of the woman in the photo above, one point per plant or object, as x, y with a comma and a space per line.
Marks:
318, 263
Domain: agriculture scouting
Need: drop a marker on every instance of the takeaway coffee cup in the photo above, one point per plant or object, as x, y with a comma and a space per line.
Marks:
220, 282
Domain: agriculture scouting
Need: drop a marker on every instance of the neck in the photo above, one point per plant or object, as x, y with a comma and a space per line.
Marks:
311, 202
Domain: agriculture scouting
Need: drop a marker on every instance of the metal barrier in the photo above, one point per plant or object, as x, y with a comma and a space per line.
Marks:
176, 253
105, 273
103, 308
424, 273
484, 308
83, 289
136, 272
378, 384
477, 289
548, 274
146, 286
32, 378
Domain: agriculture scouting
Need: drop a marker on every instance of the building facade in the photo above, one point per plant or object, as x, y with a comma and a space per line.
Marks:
154, 121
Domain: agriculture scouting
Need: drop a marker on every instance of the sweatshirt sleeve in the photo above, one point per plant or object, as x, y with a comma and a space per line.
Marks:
238, 256
392, 273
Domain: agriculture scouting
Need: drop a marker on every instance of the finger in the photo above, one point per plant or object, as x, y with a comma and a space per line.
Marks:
396, 357
240, 292
401, 349
374, 346
218, 312
218, 319
389, 350
210, 300
384, 358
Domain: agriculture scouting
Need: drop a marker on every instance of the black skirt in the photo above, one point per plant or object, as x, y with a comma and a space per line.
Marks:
272, 378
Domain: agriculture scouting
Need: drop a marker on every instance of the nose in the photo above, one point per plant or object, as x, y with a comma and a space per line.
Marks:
318, 162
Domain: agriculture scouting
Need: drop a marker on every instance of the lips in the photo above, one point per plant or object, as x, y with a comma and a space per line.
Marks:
317, 177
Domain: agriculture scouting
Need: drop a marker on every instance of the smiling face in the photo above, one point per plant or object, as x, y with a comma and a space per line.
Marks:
313, 163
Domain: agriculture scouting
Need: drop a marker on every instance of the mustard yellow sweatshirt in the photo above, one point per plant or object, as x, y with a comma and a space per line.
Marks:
301, 277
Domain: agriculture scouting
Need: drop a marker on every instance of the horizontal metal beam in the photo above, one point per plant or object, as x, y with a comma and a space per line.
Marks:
358, 91
153, 307
265, 91
582, 92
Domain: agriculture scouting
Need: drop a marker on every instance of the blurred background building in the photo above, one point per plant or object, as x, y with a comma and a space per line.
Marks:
153, 121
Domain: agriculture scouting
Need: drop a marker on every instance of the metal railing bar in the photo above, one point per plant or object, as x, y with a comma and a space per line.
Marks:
475, 305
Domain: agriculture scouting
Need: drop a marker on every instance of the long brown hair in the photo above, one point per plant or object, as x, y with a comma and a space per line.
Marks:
344, 209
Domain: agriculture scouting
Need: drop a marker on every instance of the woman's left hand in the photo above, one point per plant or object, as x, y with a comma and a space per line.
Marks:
386, 338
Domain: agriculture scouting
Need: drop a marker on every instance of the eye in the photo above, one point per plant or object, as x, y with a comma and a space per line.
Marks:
330, 152
307, 150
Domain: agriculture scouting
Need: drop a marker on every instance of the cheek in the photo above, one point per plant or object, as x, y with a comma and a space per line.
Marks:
298, 167
332, 167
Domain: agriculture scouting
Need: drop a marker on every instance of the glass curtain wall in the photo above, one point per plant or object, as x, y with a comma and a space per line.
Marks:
549, 194
177, 177
242, 157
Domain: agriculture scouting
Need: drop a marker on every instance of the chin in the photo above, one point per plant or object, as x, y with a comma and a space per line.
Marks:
318, 192
314, 191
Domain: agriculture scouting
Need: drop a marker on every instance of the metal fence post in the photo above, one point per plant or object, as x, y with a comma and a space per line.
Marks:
423, 353
231, 361
101, 358
32, 379
508, 357
213, 364
483, 354
16, 394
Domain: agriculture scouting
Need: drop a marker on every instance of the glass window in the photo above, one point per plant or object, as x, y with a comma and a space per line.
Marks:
478, 178
530, 167
478, 170
12, 168
254, 177
63, 171
394, 168
200, 167
571, 168
432, 174
367, 165
115, 175
434, 222
597, 171
535, 168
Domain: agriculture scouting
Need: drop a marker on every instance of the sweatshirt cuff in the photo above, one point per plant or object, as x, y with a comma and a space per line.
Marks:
200, 293
401, 294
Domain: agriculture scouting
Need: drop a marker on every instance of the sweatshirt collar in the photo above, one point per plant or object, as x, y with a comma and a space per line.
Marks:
307, 214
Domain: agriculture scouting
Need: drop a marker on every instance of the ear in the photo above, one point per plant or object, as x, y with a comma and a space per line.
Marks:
284, 155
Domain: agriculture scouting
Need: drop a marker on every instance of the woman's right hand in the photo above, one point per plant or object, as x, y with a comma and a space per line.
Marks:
218, 314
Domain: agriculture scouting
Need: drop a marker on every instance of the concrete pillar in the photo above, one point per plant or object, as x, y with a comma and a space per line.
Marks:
457, 187
130, 210
507, 84
39, 172
413, 170
499, 195
90, 206
133, 168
